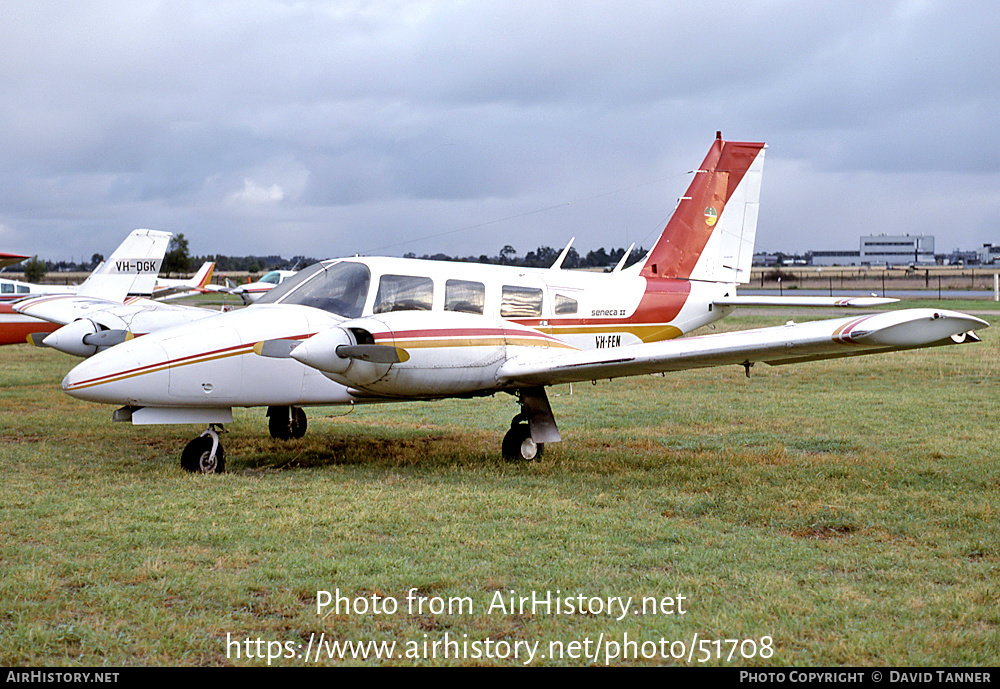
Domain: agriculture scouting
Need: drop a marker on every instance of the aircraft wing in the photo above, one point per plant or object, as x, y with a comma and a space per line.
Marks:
89, 322
784, 344
63, 309
11, 259
852, 302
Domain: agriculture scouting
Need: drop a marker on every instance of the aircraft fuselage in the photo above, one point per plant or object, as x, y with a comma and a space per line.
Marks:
470, 313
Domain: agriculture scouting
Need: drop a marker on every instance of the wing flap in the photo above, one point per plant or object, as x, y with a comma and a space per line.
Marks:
795, 342
853, 302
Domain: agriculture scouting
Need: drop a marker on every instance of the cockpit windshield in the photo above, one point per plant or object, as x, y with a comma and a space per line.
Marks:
340, 287
274, 277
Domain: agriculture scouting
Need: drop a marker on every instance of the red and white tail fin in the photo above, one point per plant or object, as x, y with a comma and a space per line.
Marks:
710, 235
203, 276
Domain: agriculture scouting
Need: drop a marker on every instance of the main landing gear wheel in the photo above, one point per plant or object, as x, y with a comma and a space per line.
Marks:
204, 454
518, 445
286, 423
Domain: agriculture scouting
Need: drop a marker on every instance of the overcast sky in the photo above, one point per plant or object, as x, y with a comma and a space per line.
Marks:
335, 128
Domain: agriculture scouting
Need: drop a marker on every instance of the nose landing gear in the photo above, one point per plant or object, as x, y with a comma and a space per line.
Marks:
204, 454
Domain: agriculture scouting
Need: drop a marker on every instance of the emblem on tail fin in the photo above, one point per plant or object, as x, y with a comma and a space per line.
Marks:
710, 216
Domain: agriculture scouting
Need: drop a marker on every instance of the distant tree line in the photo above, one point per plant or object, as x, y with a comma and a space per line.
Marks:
178, 260
544, 256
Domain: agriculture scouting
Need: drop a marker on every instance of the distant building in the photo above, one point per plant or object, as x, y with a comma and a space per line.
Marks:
765, 259
835, 258
897, 249
989, 254
779, 259
958, 257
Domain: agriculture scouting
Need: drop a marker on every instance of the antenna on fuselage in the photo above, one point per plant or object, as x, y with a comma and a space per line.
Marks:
562, 256
621, 263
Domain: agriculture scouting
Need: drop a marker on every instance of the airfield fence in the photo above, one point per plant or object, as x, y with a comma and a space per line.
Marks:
875, 279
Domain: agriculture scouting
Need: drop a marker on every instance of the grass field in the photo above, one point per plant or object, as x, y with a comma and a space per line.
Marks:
833, 513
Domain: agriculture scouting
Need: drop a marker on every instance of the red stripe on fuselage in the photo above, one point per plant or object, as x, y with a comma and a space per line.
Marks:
661, 303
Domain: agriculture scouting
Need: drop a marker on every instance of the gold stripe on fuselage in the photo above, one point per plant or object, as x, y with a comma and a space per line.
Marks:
646, 333
430, 343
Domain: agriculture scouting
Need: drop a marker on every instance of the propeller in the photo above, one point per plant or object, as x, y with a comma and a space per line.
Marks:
276, 349
107, 338
376, 354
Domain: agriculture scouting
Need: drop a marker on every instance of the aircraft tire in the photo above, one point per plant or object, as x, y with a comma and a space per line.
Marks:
197, 458
297, 426
519, 447
278, 422
286, 423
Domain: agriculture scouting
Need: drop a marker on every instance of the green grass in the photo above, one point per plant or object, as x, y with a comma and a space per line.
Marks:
845, 509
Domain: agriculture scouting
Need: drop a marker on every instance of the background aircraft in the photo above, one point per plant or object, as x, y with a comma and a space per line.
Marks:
130, 271
15, 327
13, 290
376, 330
11, 259
199, 283
252, 291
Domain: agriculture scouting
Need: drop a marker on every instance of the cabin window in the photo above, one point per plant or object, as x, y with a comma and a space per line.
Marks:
404, 293
521, 302
6, 288
565, 306
339, 288
465, 296
23, 289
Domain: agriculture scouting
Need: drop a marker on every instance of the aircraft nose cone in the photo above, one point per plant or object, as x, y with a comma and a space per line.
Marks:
82, 378
128, 373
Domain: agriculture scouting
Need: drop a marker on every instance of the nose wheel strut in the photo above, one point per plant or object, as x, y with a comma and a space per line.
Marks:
205, 454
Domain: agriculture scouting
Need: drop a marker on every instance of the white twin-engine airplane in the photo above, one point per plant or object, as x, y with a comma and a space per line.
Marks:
367, 330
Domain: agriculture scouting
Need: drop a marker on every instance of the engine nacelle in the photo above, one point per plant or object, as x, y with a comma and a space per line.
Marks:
320, 351
437, 354
84, 338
